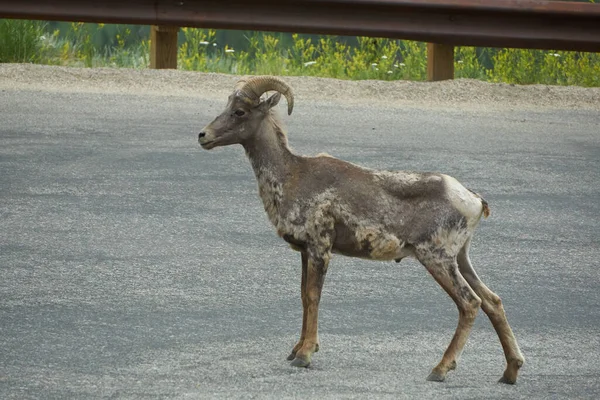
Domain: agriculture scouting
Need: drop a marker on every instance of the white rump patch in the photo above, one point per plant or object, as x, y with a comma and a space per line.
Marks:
324, 155
467, 203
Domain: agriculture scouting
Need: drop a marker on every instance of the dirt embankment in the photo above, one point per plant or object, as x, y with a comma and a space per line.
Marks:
463, 93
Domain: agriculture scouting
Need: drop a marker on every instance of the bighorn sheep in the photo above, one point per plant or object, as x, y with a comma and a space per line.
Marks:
322, 205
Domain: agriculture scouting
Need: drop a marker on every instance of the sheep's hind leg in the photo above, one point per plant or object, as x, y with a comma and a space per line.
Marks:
492, 306
298, 345
445, 271
315, 276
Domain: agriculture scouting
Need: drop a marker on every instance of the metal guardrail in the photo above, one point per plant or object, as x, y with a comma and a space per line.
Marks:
535, 24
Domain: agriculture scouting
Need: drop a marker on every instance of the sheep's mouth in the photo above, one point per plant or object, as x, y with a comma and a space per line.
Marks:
208, 145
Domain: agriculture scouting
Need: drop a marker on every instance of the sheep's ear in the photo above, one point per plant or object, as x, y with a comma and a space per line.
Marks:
270, 102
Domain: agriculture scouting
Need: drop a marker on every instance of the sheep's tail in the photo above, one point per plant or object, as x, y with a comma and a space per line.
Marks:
485, 207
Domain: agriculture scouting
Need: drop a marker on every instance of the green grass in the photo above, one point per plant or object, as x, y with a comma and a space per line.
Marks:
77, 44
20, 40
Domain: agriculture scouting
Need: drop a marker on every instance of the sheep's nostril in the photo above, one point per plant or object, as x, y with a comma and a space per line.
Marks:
201, 135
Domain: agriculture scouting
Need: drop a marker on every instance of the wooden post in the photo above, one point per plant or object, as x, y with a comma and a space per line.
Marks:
440, 62
163, 47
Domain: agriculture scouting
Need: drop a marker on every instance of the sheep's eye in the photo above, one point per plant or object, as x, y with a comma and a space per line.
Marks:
239, 113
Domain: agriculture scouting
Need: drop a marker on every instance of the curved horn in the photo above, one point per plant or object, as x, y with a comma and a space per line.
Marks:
255, 86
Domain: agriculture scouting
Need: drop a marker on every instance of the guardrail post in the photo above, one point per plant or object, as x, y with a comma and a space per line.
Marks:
440, 62
163, 47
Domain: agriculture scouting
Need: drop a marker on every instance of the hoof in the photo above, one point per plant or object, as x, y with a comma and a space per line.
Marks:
291, 356
300, 363
436, 377
510, 373
506, 380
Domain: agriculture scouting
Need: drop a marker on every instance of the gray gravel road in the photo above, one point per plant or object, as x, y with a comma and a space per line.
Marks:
134, 264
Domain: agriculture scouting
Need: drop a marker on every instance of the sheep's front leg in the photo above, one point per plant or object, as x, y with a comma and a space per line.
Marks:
298, 345
315, 276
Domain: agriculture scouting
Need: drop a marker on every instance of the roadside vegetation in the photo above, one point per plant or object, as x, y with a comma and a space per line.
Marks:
97, 45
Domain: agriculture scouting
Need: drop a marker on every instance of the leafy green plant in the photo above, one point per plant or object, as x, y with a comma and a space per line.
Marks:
332, 59
375, 59
194, 53
301, 56
268, 59
85, 47
513, 66
581, 69
523, 66
121, 55
414, 60
467, 63
21, 41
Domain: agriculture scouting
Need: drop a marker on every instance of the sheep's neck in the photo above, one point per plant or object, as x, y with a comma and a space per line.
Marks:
271, 160
269, 155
